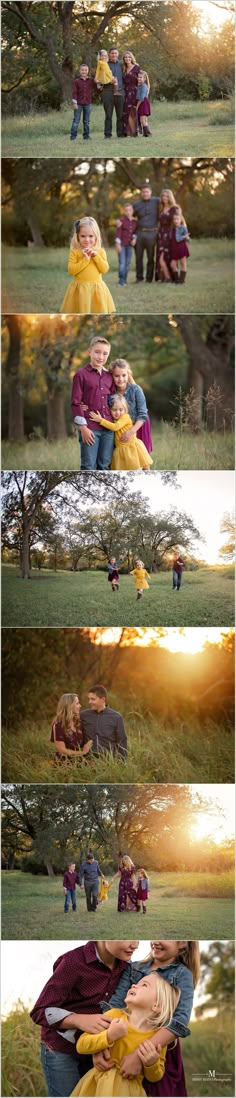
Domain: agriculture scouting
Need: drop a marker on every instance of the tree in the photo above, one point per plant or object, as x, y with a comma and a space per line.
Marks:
15, 405
210, 367
217, 977
227, 526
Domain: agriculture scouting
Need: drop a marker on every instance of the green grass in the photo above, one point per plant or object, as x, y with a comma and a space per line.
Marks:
35, 281
197, 905
171, 450
178, 129
210, 1046
82, 598
192, 749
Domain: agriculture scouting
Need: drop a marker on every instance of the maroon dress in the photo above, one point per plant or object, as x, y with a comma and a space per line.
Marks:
173, 1084
130, 122
126, 889
178, 248
72, 740
164, 239
145, 434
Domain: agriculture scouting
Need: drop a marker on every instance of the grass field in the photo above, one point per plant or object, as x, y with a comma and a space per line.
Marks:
191, 749
211, 1045
35, 281
187, 905
178, 129
171, 450
83, 598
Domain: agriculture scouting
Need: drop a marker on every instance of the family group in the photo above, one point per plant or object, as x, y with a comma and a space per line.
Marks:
124, 87
152, 225
127, 1015
132, 895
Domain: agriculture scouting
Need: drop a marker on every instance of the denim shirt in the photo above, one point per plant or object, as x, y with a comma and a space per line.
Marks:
176, 973
136, 401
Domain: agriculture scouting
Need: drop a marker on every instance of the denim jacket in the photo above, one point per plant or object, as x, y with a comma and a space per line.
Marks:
136, 401
176, 973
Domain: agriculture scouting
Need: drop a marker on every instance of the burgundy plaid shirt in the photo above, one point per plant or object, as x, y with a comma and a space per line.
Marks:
83, 90
79, 982
92, 388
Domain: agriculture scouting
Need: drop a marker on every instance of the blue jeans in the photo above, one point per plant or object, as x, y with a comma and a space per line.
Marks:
99, 454
124, 262
70, 895
86, 108
61, 1070
177, 577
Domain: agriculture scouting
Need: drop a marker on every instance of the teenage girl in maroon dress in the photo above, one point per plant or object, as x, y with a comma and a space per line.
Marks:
127, 894
130, 78
179, 250
167, 208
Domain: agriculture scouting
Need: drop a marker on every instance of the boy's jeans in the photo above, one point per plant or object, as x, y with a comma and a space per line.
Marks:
70, 895
61, 1070
86, 108
177, 576
99, 454
124, 262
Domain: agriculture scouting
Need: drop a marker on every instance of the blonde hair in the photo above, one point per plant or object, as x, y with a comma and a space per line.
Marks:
120, 400
125, 862
99, 339
64, 712
144, 873
167, 998
93, 225
188, 955
146, 78
172, 202
133, 58
99, 54
120, 363
178, 212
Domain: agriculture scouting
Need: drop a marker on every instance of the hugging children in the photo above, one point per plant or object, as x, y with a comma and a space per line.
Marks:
93, 391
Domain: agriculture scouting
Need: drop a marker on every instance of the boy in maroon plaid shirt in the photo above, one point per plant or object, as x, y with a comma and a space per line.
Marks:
83, 88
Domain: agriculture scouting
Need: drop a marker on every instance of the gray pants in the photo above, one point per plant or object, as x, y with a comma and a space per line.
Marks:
145, 243
91, 892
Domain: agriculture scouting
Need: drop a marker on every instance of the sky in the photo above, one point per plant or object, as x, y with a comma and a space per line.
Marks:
205, 496
211, 15
221, 799
26, 967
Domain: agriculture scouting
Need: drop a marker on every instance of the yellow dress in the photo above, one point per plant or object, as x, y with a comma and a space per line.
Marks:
139, 578
87, 293
103, 890
110, 1083
103, 74
127, 455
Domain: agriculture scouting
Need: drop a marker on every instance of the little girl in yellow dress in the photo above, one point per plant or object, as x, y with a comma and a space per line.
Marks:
150, 1004
140, 580
127, 455
87, 263
103, 74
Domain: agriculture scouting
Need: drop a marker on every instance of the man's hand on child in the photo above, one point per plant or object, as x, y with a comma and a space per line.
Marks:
96, 416
95, 1023
102, 1060
148, 1054
127, 435
130, 1065
117, 1028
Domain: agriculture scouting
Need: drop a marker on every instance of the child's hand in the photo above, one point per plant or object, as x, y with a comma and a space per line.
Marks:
117, 1028
65, 891
133, 241
118, 248
96, 416
148, 1053
84, 407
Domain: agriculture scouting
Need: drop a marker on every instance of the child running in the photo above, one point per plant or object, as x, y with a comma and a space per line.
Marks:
126, 455
143, 891
150, 1004
143, 104
87, 263
179, 250
113, 572
140, 580
126, 386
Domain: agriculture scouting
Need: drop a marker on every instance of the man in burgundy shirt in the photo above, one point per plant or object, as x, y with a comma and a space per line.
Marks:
70, 1004
83, 88
178, 566
92, 385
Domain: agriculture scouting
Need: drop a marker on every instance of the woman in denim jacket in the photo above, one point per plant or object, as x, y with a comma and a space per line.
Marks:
178, 962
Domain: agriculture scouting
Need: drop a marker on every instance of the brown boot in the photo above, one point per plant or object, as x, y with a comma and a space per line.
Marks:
182, 276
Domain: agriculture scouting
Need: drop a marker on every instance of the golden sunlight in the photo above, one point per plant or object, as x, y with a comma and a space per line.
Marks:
212, 15
187, 641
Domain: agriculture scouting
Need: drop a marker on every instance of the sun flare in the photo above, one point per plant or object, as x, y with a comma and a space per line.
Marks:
188, 642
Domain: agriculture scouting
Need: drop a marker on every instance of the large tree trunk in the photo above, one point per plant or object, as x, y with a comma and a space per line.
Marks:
209, 366
56, 423
49, 868
36, 234
25, 554
15, 400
